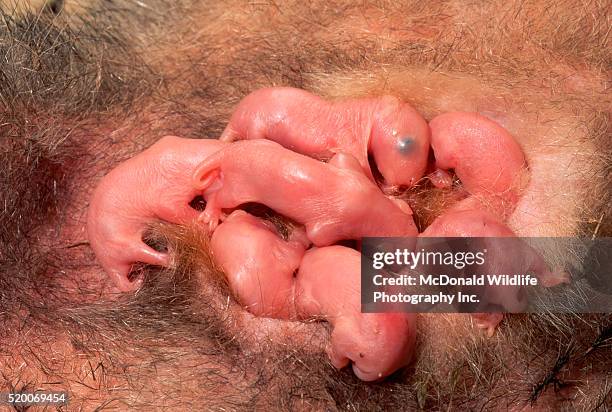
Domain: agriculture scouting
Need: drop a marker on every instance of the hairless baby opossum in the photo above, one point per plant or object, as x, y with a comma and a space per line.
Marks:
391, 131
503, 257
153, 185
118, 214
328, 285
486, 158
332, 200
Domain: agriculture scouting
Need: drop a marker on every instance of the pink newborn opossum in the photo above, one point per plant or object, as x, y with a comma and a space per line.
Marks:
390, 130
260, 267
328, 285
332, 200
153, 185
517, 257
485, 157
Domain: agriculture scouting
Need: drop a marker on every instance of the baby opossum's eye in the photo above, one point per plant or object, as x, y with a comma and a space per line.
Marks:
405, 145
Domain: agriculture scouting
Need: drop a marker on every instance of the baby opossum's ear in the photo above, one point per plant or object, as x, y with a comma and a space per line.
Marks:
204, 176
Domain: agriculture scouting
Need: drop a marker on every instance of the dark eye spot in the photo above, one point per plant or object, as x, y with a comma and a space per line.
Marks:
405, 145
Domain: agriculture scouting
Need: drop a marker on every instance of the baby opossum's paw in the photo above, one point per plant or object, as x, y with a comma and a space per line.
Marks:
487, 321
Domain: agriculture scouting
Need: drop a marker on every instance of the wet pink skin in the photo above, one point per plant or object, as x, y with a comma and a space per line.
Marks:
390, 130
258, 263
486, 158
328, 286
331, 201
334, 201
153, 185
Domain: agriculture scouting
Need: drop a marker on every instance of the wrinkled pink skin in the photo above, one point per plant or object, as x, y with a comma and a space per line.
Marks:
486, 158
259, 264
390, 130
333, 201
515, 258
328, 285
154, 185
